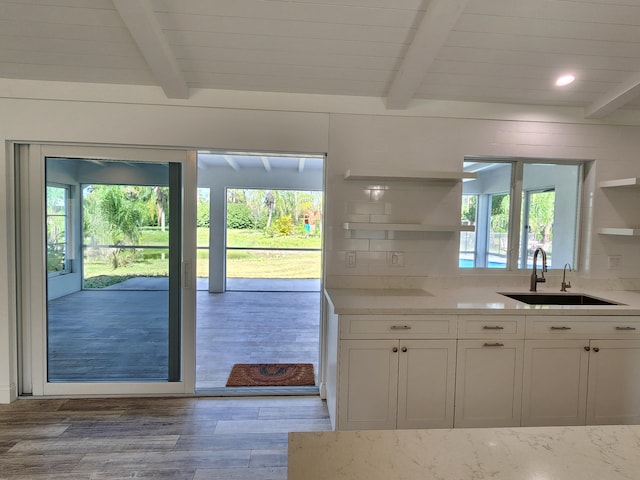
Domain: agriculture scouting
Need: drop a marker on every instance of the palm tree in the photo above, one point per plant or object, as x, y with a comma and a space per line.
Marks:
269, 202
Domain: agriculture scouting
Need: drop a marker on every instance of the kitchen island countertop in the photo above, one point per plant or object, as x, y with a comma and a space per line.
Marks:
536, 453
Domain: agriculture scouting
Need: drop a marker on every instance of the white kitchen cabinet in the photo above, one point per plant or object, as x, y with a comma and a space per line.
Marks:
438, 370
488, 383
578, 382
426, 383
388, 384
614, 382
555, 382
368, 384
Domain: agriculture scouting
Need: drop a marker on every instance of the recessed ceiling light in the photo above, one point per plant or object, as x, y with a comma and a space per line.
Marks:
565, 80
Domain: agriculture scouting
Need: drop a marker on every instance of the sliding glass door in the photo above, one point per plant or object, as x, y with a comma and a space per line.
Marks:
108, 285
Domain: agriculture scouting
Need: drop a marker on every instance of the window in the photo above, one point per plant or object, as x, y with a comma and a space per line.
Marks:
57, 229
518, 206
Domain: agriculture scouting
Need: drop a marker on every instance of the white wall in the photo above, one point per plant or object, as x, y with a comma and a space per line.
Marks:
363, 134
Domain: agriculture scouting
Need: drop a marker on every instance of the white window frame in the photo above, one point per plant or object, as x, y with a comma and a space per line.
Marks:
516, 205
68, 234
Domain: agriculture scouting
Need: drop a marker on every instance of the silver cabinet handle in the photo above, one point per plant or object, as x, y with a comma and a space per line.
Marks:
560, 328
492, 327
497, 344
625, 328
400, 327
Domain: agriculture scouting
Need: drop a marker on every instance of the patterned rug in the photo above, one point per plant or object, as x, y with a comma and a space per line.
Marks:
271, 375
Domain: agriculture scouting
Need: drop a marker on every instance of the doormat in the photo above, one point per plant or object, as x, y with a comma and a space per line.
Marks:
271, 375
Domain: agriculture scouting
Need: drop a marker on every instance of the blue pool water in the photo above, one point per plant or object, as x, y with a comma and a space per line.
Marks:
465, 263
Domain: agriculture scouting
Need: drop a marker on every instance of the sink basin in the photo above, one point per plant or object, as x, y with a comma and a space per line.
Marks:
558, 299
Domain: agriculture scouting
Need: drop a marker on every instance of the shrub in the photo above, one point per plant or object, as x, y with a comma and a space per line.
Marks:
239, 216
284, 226
203, 214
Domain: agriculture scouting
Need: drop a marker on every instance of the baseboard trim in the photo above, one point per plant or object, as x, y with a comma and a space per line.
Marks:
8, 393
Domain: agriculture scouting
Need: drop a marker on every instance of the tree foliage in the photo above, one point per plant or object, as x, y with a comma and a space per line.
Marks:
115, 214
541, 210
500, 213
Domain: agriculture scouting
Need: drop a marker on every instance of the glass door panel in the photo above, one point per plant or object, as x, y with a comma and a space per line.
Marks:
111, 322
116, 289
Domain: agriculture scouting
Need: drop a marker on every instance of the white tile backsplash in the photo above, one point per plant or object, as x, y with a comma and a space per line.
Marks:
365, 208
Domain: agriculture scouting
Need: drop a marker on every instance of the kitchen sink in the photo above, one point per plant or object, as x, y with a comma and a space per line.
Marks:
558, 299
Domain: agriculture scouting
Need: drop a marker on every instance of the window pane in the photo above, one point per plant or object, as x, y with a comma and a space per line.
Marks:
549, 213
468, 239
56, 198
488, 246
498, 231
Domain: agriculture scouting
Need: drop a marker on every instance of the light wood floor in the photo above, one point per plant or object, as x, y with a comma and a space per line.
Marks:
122, 335
153, 438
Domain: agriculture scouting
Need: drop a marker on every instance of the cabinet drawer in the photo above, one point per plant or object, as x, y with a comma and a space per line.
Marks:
488, 326
602, 326
398, 326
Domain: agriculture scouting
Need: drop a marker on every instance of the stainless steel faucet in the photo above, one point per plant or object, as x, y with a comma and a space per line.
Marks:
534, 275
565, 284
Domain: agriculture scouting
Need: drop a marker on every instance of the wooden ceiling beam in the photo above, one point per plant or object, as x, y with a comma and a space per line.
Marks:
145, 29
615, 98
433, 30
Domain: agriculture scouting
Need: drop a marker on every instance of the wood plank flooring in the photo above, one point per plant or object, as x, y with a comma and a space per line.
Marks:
254, 327
153, 438
122, 335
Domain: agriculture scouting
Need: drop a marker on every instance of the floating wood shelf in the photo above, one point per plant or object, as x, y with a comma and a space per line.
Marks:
621, 182
406, 227
409, 176
628, 232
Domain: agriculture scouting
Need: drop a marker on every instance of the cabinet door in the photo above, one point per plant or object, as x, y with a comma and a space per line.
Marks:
368, 392
426, 383
489, 383
614, 382
554, 388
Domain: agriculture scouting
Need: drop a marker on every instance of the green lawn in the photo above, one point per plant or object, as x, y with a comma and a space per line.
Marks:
240, 263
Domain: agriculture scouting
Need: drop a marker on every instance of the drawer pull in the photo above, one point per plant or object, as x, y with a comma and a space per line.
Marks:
560, 328
625, 328
394, 349
400, 327
497, 344
492, 327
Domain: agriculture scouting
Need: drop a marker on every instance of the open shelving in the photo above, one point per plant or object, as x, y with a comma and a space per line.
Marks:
409, 176
629, 232
406, 227
621, 182
630, 182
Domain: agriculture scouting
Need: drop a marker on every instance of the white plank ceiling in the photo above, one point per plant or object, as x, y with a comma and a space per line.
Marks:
505, 51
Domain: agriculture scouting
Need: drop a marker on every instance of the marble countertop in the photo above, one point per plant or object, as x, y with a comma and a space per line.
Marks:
470, 300
532, 453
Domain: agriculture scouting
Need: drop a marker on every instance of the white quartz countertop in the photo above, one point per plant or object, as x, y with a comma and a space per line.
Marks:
536, 453
470, 300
